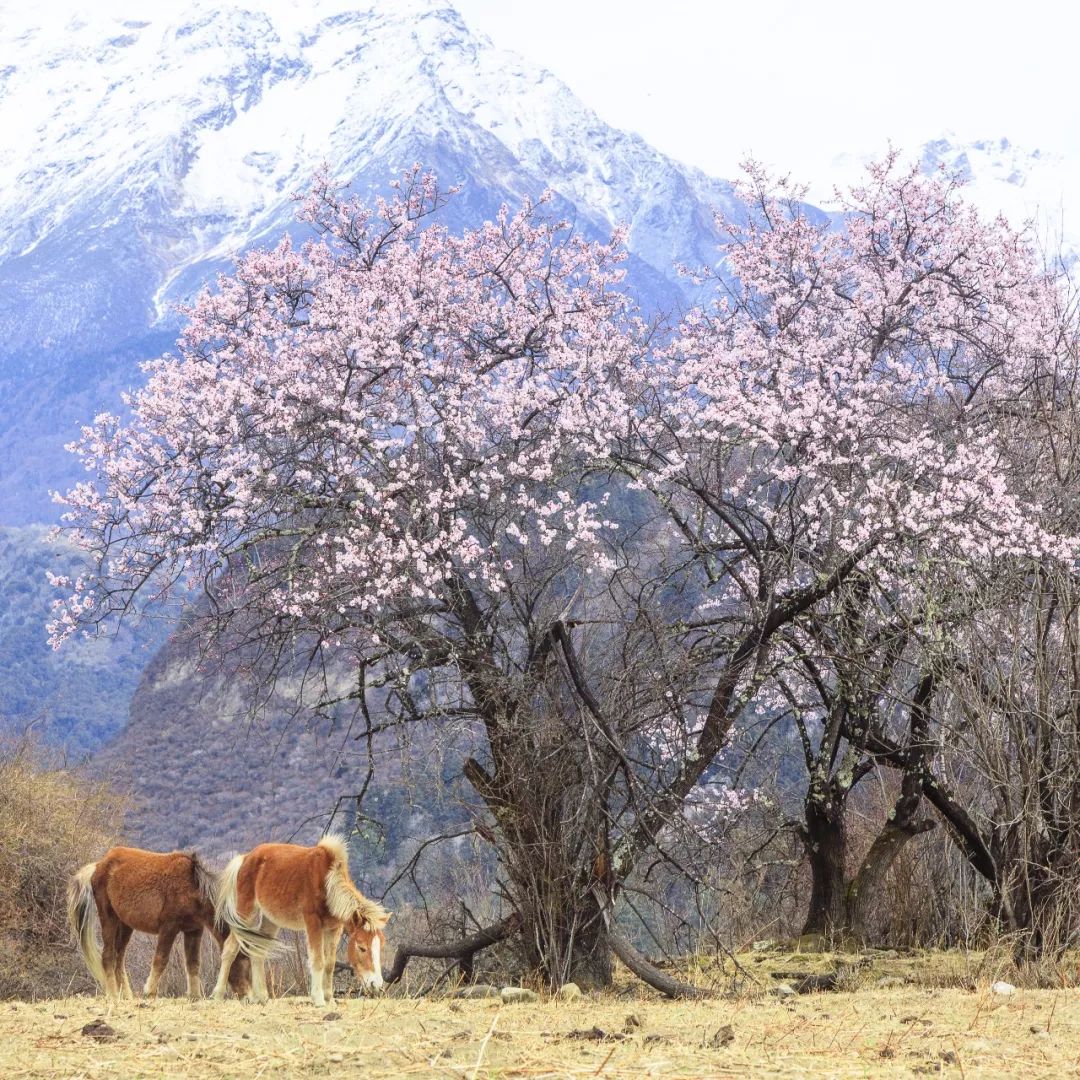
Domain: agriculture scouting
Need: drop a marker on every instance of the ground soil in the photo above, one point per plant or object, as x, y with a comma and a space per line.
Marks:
868, 1032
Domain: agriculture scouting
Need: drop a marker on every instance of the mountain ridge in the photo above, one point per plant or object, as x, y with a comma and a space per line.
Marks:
138, 155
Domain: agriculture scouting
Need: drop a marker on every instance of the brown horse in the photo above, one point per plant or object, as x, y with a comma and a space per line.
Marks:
300, 888
158, 894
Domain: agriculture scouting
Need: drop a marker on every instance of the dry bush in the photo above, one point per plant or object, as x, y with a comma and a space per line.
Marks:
52, 820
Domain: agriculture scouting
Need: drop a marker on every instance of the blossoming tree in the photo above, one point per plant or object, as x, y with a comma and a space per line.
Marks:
364, 466
387, 453
830, 435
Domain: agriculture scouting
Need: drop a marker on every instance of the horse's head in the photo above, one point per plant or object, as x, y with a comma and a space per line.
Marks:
364, 949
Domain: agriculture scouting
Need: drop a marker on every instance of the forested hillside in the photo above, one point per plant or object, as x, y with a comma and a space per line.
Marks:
202, 772
77, 699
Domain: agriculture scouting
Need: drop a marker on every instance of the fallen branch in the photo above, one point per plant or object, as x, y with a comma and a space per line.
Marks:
651, 974
463, 950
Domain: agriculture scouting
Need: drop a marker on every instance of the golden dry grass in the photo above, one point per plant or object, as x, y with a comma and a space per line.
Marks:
869, 1033
51, 821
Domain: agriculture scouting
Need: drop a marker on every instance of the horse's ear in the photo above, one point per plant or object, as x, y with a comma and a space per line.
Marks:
366, 926
389, 916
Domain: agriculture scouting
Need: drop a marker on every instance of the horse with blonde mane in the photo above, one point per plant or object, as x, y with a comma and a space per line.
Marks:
300, 888
163, 894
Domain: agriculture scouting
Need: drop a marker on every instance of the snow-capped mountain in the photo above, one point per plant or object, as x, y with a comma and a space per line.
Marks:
141, 146
175, 137
1026, 184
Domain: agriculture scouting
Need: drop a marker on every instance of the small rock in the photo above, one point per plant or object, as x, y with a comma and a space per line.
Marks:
888, 981
568, 992
516, 995
631, 1023
336, 1059
765, 945
950, 1057
1003, 989
783, 990
593, 1034
98, 1029
480, 990
453, 1007
723, 1037
332, 1016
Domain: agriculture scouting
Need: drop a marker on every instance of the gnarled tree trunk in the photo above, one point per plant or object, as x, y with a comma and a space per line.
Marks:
824, 833
864, 890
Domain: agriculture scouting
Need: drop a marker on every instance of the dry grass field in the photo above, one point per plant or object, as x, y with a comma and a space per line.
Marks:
867, 1032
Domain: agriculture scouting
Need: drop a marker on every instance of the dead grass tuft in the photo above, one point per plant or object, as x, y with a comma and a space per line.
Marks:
52, 820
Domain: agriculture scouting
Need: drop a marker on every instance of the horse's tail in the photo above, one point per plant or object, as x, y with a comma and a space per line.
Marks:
206, 883
253, 942
80, 909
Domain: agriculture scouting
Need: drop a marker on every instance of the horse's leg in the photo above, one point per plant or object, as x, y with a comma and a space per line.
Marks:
229, 951
110, 931
166, 937
330, 944
192, 947
123, 936
258, 979
238, 972
314, 927
258, 965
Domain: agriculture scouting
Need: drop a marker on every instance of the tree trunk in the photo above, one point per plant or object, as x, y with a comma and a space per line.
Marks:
825, 836
864, 891
552, 870
565, 939
590, 959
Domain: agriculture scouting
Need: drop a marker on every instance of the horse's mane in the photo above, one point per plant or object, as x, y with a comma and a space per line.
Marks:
343, 898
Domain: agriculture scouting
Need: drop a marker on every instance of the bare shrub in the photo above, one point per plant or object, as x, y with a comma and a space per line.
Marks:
52, 820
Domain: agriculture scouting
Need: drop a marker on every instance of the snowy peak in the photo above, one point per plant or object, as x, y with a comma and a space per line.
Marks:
993, 160
221, 112
1025, 184
141, 146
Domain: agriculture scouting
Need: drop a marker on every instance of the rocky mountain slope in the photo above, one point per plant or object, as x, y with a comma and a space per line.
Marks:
202, 772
